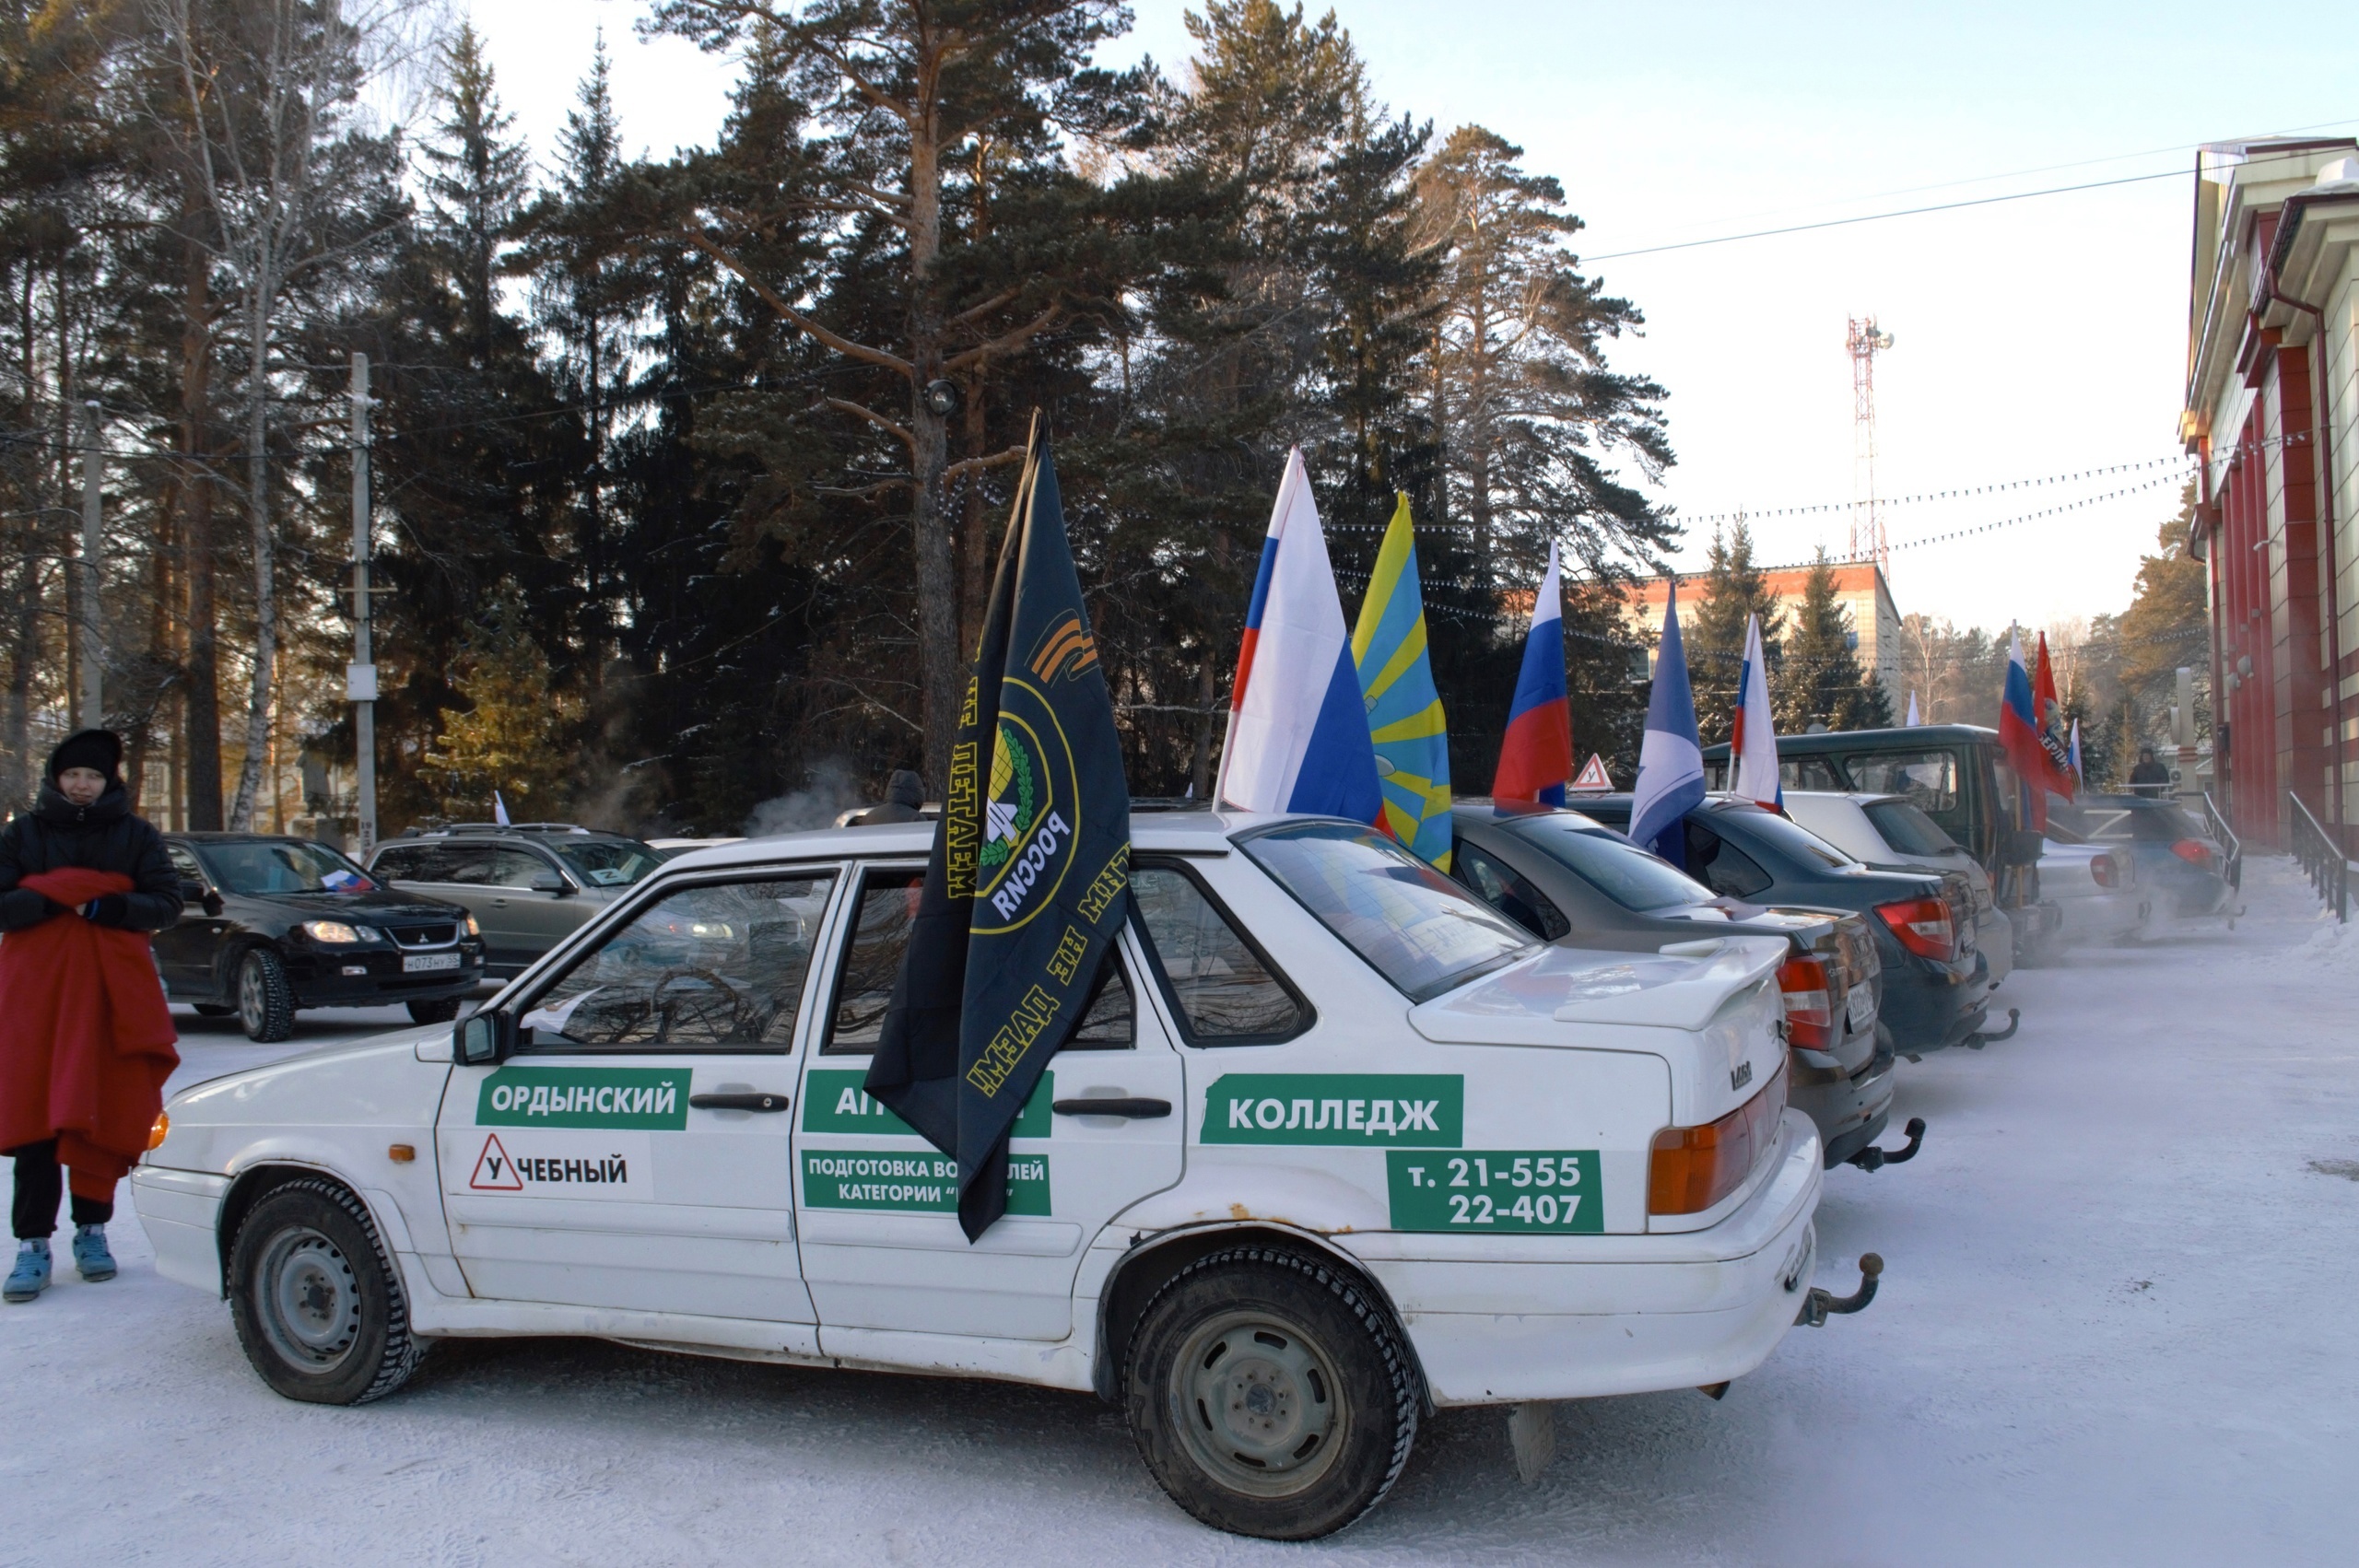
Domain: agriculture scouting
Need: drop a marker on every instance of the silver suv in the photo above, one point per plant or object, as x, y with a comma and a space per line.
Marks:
529, 886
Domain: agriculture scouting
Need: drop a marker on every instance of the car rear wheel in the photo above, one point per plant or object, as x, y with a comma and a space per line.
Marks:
266, 1001
1270, 1395
318, 1307
440, 1012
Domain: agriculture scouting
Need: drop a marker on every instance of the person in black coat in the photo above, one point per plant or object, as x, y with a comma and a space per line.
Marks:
81, 818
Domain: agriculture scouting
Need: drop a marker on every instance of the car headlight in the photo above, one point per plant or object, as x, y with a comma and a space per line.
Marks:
337, 934
473, 929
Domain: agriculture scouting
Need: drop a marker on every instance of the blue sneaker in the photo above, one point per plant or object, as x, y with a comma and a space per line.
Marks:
91, 1259
30, 1276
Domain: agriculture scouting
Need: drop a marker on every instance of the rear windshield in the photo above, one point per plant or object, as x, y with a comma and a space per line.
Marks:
282, 866
1418, 929
1616, 867
1909, 830
608, 862
1791, 838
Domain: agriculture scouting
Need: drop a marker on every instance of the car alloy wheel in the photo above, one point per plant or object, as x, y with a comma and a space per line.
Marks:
266, 1001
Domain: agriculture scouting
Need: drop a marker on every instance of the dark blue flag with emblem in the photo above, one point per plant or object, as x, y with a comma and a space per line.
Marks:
1029, 877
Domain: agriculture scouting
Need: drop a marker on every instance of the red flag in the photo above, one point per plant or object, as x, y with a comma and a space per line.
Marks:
2048, 724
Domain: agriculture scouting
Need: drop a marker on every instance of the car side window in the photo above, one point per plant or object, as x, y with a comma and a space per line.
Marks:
1809, 773
1509, 892
716, 967
888, 901
1110, 1022
516, 868
1927, 779
1224, 991
185, 864
1725, 869
402, 862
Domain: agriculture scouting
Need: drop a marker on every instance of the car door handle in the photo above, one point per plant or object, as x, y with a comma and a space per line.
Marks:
1130, 1107
756, 1101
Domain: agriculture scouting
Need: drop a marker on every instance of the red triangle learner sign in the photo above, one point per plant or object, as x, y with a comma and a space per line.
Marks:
495, 1172
1593, 775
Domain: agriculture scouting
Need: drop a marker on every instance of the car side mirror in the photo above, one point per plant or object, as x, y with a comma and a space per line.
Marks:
482, 1038
551, 883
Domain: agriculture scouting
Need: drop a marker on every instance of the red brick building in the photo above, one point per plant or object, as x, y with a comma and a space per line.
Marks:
2272, 412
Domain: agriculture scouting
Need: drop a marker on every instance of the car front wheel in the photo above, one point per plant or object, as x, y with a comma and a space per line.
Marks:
266, 999
318, 1308
1270, 1395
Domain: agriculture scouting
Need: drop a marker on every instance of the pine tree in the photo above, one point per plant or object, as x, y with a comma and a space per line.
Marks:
1712, 633
514, 734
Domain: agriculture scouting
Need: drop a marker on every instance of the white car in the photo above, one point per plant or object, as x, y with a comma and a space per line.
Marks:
1335, 1145
2096, 888
1893, 830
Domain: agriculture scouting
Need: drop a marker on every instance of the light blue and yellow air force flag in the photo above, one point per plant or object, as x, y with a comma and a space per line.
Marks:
1404, 718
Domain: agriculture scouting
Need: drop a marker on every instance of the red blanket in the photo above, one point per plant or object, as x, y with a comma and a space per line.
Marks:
86, 1036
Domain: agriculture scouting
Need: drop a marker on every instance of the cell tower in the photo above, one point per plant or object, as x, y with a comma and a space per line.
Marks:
1867, 341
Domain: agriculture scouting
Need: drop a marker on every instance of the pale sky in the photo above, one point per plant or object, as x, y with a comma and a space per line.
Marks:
2033, 339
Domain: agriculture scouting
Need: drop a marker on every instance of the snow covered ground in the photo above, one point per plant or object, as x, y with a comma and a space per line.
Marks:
2117, 1325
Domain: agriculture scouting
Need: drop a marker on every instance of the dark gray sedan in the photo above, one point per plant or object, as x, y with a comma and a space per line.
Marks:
1561, 874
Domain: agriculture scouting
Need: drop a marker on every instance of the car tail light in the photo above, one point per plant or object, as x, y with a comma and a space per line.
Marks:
1923, 926
1809, 995
2194, 851
2103, 870
1694, 1167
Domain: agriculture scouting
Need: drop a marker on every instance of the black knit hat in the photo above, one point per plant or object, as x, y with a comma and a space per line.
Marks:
99, 750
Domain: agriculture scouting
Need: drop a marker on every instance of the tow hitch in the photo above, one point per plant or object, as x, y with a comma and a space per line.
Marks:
2015, 1020
1819, 1305
1874, 1159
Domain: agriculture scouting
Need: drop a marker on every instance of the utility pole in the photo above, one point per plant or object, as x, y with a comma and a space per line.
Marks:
91, 699
361, 676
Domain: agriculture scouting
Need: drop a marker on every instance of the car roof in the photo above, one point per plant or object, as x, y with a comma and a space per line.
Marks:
1866, 740
205, 836
1202, 831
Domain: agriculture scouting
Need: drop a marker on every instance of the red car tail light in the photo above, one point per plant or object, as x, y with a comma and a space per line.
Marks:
1923, 926
2102, 872
2194, 851
1809, 995
1694, 1167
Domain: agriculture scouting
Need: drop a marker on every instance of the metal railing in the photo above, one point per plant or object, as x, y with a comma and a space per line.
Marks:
2321, 857
2216, 822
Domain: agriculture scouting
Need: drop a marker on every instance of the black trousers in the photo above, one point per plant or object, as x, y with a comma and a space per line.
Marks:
40, 1184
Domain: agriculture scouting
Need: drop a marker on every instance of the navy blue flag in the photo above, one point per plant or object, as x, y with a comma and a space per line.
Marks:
1029, 877
1670, 763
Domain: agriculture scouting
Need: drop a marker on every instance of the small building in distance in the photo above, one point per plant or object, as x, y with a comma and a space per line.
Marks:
1861, 588
2272, 415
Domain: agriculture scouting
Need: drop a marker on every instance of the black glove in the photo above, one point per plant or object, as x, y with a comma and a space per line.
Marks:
107, 910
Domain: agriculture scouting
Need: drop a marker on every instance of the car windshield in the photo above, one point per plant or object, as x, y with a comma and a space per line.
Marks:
282, 865
1909, 830
609, 862
1791, 838
1616, 867
1418, 929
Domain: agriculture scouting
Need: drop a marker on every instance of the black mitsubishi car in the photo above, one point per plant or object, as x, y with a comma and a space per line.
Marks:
272, 924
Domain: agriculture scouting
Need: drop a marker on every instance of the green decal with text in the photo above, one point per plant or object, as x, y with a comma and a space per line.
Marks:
1387, 1109
655, 1099
1551, 1190
923, 1183
833, 1101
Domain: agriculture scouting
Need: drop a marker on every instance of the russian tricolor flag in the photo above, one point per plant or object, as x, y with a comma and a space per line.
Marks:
2019, 737
1297, 725
1536, 757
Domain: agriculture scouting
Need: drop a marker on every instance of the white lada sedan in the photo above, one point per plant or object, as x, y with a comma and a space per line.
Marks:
1333, 1145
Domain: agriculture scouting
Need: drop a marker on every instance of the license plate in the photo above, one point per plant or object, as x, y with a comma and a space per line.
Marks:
1861, 1008
425, 963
